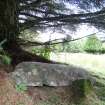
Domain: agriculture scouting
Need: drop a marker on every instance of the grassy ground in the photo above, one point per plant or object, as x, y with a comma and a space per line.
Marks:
95, 64
10, 95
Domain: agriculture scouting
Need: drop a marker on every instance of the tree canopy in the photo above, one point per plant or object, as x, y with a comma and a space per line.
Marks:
57, 14
54, 13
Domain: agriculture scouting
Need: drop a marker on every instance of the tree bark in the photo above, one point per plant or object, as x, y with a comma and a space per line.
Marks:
9, 30
8, 20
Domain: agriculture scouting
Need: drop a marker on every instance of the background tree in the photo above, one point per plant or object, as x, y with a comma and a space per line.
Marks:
93, 45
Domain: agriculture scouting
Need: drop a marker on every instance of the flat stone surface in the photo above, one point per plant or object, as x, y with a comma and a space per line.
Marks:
39, 74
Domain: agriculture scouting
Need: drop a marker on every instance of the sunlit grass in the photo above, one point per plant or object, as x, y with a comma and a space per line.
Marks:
94, 63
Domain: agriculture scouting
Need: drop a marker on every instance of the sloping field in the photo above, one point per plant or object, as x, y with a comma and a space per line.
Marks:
95, 64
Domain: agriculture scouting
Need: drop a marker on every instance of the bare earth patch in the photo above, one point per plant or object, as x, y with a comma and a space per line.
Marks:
57, 94
8, 93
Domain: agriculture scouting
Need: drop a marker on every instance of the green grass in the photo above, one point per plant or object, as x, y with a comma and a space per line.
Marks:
95, 64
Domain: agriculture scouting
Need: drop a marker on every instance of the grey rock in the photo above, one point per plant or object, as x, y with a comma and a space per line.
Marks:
39, 74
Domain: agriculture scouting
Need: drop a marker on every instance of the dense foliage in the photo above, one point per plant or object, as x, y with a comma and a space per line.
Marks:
75, 46
42, 51
90, 44
19, 15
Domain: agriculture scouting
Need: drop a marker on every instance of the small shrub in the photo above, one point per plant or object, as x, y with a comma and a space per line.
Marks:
74, 47
44, 52
5, 59
93, 45
103, 50
21, 87
81, 89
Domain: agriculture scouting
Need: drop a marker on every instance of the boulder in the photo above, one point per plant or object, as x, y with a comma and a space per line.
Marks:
39, 74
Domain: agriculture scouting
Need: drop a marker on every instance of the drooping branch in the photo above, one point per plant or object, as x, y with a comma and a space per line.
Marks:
66, 40
52, 42
75, 16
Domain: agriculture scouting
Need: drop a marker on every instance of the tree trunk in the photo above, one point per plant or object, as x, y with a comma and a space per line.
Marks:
8, 20
9, 30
